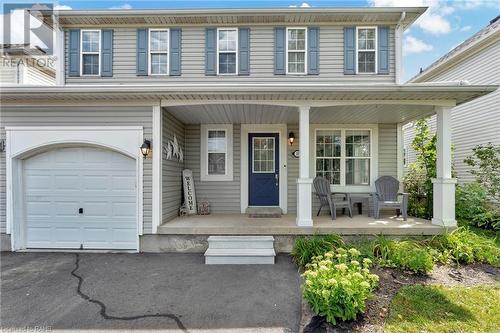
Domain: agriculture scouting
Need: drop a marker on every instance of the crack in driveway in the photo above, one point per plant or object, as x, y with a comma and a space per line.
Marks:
103, 306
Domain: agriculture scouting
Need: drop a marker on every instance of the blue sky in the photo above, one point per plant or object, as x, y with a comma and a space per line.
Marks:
445, 24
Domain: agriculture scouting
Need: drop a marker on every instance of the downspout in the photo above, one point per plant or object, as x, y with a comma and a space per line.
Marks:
399, 47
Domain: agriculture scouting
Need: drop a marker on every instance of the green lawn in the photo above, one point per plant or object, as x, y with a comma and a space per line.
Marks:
445, 309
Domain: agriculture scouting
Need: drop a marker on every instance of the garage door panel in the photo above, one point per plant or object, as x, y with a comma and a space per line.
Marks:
58, 183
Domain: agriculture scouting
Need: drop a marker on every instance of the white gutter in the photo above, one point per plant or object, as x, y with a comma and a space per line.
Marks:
440, 83
399, 47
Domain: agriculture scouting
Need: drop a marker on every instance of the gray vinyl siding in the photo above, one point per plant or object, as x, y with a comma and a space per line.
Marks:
388, 150
171, 169
476, 122
223, 196
261, 60
79, 116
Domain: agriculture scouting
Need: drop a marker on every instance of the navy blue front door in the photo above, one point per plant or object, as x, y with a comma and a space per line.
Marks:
264, 163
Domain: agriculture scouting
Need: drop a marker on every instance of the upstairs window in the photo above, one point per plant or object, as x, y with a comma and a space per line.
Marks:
91, 52
158, 51
227, 50
366, 50
296, 45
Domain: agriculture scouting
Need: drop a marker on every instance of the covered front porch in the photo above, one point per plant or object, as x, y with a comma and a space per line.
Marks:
240, 224
349, 137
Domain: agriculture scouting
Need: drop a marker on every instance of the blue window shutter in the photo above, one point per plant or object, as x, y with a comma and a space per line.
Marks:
142, 52
279, 51
313, 51
211, 51
107, 52
175, 51
350, 50
383, 50
74, 52
244, 51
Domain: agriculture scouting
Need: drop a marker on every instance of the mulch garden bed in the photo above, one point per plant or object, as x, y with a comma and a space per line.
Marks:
391, 280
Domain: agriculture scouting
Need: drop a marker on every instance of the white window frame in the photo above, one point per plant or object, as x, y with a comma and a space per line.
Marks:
228, 129
374, 50
305, 51
150, 53
373, 129
274, 155
235, 52
86, 52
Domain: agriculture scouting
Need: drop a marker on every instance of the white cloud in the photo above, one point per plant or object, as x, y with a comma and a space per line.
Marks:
303, 5
465, 28
414, 45
62, 7
124, 6
433, 21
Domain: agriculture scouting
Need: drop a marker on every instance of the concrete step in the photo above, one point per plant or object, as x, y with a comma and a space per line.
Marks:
241, 242
239, 256
264, 212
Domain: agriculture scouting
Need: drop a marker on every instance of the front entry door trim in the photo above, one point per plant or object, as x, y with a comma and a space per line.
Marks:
246, 129
264, 160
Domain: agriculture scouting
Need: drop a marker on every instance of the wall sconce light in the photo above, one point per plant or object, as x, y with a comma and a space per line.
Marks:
291, 138
146, 148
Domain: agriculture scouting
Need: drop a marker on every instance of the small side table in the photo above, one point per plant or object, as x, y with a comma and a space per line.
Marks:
361, 201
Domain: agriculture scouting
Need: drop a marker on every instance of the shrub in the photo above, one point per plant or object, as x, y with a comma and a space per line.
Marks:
471, 207
485, 163
464, 246
405, 254
307, 247
337, 285
415, 186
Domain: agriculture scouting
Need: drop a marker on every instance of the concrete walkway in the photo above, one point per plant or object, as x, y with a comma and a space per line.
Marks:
171, 292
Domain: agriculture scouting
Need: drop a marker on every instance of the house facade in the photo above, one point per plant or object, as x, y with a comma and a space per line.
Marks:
477, 122
220, 93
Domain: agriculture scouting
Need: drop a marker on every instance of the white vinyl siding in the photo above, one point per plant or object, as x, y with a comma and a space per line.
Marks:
158, 51
296, 50
366, 50
90, 52
227, 51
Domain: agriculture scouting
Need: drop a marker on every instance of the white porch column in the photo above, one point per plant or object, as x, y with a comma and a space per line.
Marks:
444, 184
304, 182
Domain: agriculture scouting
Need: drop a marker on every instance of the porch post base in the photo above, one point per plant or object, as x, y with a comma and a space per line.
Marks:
444, 202
304, 202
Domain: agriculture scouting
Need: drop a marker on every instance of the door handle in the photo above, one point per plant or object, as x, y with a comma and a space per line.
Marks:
276, 178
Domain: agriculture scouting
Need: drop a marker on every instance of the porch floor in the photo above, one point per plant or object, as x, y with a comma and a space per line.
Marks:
240, 224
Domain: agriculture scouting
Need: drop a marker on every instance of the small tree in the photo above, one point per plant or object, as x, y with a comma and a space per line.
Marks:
485, 163
424, 145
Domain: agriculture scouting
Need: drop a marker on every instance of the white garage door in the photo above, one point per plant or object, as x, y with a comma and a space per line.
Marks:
80, 198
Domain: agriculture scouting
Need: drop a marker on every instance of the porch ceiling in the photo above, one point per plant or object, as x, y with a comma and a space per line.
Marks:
269, 114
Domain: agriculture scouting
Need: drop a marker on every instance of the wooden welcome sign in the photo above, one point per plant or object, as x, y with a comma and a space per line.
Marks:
189, 195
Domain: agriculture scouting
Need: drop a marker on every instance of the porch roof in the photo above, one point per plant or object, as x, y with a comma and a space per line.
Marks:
314, 95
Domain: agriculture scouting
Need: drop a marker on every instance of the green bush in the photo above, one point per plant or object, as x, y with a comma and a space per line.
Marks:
405, 254
471, 207
337, 285
307, 247
416, 187
466, 247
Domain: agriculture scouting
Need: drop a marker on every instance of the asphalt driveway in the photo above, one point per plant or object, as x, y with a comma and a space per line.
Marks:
172, 292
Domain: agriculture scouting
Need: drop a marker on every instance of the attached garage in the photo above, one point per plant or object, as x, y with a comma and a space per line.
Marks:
75, 187
80, 197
